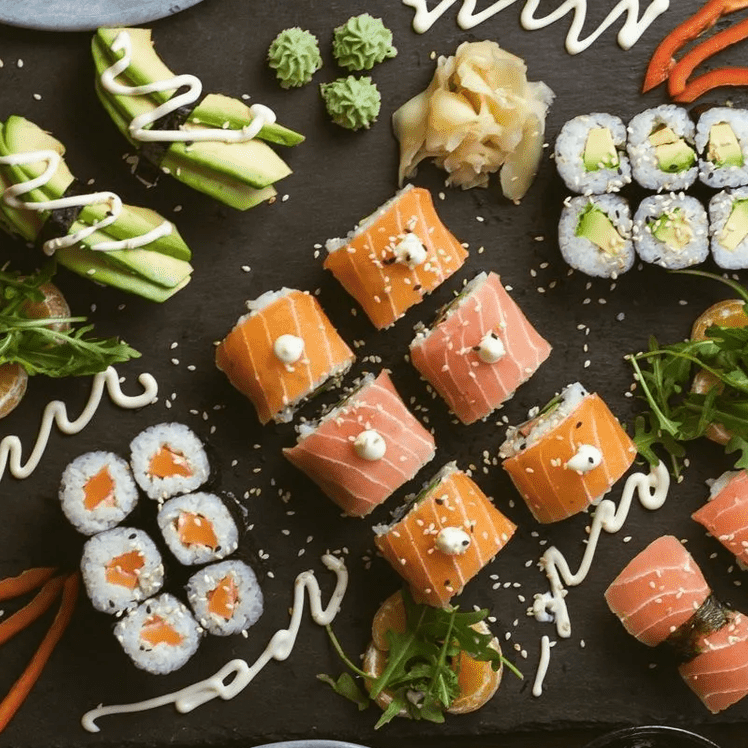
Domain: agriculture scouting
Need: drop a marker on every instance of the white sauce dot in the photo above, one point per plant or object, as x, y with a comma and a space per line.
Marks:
452, 541
410, 251
491, 348
586, 458
370, 445
288, 348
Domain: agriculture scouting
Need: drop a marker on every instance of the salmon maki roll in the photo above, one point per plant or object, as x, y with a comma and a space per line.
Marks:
725, 516
282, 352
567, 457
481, 349
364, 449
396, 256
451, 531
719, 674
659, 591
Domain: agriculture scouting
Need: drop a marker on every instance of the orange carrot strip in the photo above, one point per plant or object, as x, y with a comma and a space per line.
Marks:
713, 79
24, 582
22, 687
663, 59
704, 51
30, 612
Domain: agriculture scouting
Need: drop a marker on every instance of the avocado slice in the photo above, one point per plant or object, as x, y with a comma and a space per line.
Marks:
600, 150
673, 229
736, 227
595, 226
723, 148
672, 152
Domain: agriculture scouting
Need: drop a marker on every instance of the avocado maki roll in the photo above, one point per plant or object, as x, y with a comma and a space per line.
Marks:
590, 154
671, 231
662, 150
728, 228
594, 235
722, 141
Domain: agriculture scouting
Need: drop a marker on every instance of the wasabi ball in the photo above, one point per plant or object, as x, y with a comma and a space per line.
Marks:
362, 42
294, 55
352, 102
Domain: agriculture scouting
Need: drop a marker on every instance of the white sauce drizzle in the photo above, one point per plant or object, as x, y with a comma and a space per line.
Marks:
541, 672
110, 199
262, 115
551, 606
11, 449
629, 34
279, 648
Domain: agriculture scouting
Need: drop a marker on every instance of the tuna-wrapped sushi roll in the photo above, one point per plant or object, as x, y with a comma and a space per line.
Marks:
567, 457
594, 235
97, 492
590, 154
722, 141
396, 256
725, 515
160, 635
728, 228
671, 231
449, 533
282, 352
481, 349
120, 568
661, 148
364, 449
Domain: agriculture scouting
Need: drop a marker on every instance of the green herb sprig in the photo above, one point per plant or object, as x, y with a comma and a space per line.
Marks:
40, 349
419, 662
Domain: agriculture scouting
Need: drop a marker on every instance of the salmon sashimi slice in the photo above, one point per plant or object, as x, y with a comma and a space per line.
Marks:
396, 257
99, 490
282, 352
157, 630
719, 675
449, 534
480, 351
124, 570
658, 591
223, 597
575, 461
195, 529
726, 515
167, 463
334, 455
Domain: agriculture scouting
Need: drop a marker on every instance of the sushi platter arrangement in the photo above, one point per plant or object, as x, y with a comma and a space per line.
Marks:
421, 416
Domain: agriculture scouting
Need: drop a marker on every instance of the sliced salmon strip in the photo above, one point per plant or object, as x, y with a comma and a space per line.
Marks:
124, 570
157, 630
195, 529
167, 463
223, 597
98, 490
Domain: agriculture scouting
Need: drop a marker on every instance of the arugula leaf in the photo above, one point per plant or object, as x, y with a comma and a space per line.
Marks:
346, 686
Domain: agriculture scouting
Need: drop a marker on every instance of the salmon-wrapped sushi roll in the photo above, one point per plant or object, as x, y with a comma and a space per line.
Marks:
396, 256
451, 531
567, 457
481, 349
725, 516
364, 449
659, 591
281, 352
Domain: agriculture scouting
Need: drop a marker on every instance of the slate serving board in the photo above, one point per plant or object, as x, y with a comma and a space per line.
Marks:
339, 178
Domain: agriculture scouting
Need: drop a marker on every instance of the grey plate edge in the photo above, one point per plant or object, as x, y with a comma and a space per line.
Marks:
311, 744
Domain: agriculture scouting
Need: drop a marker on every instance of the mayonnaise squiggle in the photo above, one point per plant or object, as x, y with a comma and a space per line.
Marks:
467, 18
238, 673
112, 201
11, 449
262, 115
542, 671
651, 488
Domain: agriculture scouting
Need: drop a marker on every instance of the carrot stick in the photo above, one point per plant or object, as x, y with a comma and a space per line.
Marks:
703, 51
22, 687
30, 612
24, 582
663, 59
713, 79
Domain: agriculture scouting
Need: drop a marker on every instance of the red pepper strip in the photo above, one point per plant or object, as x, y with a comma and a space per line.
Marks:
713, 79
704, 51
24, 582
663, 59
22, 687
30, 612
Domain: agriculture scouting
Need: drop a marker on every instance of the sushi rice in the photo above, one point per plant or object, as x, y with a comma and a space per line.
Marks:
721, 207
711, 173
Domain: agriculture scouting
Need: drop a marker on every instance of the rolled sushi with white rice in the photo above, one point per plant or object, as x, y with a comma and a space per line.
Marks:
226, 597
594, 235
97, 492
662, 149
198, 528
120, 568
722, 141
728, 228
168, 459
160, 635
671, 231
590, 154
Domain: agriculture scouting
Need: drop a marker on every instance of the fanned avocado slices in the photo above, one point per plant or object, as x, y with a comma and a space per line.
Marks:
240, 174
